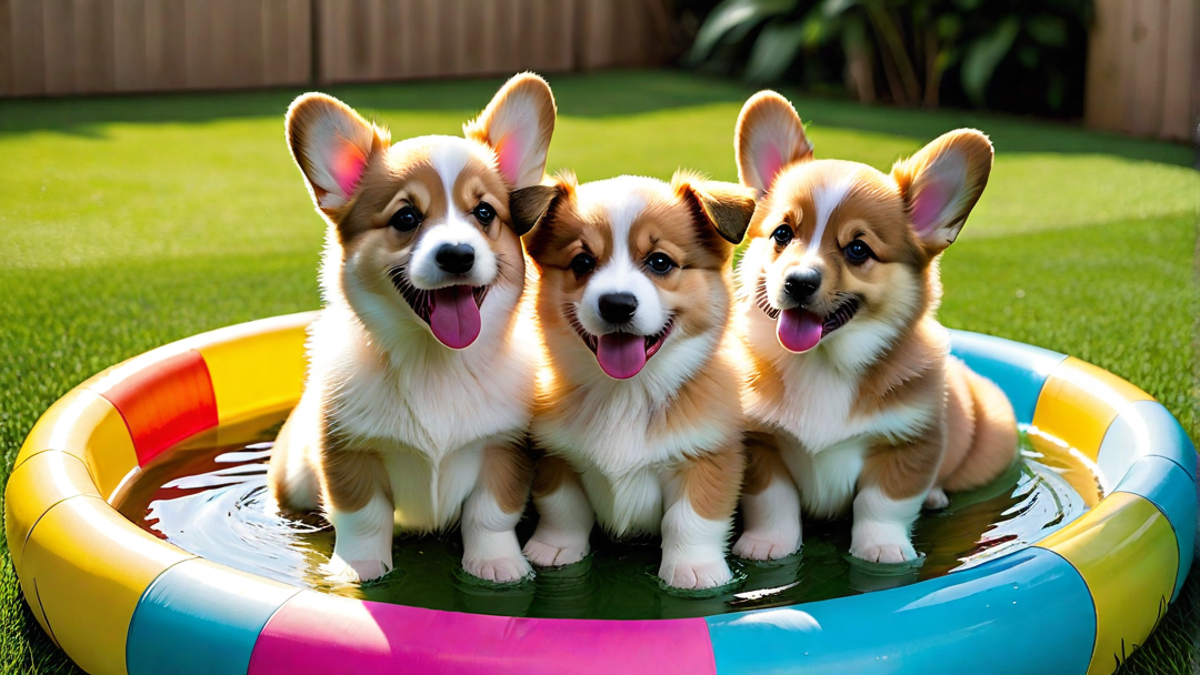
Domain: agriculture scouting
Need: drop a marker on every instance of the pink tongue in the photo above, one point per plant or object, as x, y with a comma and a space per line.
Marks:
798, 330
621, 355
454, 318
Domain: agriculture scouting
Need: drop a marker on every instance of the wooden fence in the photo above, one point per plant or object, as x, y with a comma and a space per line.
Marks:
52, 47
1144, 68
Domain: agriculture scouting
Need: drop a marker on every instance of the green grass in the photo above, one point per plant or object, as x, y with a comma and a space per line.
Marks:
129, 222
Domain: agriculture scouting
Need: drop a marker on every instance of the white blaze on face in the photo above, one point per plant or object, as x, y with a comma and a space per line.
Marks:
800, 330
454, 314
619, 201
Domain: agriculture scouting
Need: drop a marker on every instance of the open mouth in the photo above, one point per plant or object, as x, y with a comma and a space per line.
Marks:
800, 330
452, 312
620, 355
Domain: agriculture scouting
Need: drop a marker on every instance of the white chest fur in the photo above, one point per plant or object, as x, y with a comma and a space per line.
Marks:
823, 438
429, 415
624, 452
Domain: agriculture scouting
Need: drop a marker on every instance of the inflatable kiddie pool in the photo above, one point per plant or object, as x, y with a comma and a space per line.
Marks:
119, 600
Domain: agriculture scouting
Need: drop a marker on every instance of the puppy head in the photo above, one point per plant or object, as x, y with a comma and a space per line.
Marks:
421, 234
632, 267
840, 246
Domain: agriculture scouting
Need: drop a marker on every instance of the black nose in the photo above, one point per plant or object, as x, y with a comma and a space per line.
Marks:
617, 307
455, 258
802, 286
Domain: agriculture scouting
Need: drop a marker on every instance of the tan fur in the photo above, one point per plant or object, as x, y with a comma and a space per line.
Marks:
551, 472
995, 436
910, 372
713, 481
763, 463
351, 476
508, 473
712, 393
905, 469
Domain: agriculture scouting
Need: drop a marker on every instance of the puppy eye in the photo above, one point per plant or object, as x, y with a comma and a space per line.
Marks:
857, 252
406, 219
484, 213
782, 235
659, 263
582, 264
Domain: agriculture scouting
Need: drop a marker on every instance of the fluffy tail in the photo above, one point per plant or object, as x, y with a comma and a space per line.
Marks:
991, 444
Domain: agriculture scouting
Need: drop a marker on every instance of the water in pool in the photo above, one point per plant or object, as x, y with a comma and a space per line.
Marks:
208, 495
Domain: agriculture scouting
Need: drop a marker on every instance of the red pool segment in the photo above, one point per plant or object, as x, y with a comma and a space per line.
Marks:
338, 636
166, 403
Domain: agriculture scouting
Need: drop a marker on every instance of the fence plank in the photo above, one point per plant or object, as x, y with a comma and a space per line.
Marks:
248, 43
29, 57
1179, 71
129, 42
1147, 84
300, 68
274, 47
166, 63
1104, 97
198, 46
58, 26
6, 48
94, 49
595, 34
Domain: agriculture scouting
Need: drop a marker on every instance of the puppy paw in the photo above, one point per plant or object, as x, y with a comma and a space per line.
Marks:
765, 546
936, 499
342, 571
503, 570
886, 553
543, 554
695, 575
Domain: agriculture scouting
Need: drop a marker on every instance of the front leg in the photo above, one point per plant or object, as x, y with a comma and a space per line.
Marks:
358, 503
770, 504
491, 514
699, 500
895, 482
565, 516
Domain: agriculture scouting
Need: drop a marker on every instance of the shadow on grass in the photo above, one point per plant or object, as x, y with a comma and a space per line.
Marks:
602, 94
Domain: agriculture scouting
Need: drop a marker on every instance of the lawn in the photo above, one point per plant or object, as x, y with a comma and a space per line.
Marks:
130, 222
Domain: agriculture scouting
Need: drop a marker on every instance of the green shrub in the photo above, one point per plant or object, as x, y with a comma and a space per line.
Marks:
1015, 55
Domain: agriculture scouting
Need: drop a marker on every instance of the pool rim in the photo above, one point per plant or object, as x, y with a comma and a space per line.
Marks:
1100, 583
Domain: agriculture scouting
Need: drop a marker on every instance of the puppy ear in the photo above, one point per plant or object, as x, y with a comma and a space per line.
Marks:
534, 209
727, 207
517, 126
768, 138
332, 145
528, 206
941, 184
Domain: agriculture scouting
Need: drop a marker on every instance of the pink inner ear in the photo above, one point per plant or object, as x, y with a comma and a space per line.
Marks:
769, 164
508, 154
928, 205
347, 167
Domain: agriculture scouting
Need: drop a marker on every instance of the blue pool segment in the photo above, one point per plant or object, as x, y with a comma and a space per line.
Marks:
950, 625
198, 617
1019, 369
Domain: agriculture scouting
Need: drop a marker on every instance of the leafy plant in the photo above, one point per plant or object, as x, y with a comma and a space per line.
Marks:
902, 50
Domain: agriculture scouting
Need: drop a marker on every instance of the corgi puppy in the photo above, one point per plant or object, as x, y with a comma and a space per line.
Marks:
419, 394
637, 408
852, 399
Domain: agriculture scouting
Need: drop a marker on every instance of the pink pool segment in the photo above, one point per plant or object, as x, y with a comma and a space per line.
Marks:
339, 636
